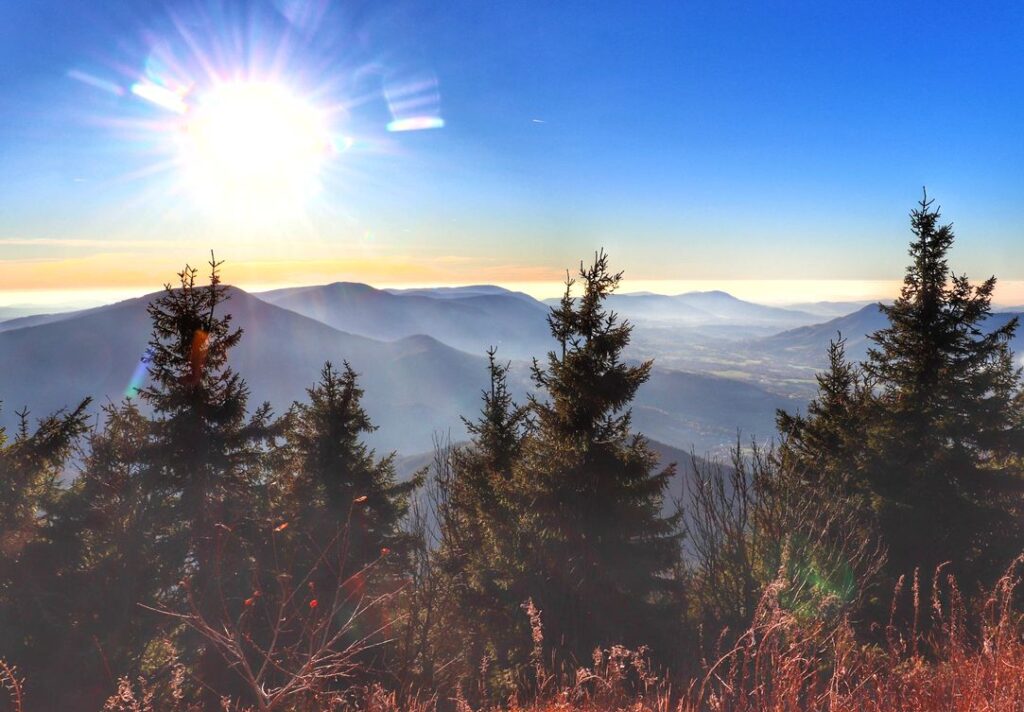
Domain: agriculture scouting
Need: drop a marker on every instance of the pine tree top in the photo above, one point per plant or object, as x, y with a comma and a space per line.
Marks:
589, 384
941, 373
188, 350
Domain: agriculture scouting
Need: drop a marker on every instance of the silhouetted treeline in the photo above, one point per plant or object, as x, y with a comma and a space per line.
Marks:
215, 548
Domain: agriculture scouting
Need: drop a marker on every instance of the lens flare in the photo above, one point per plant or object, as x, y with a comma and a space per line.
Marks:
139, 375
254, 146
96, 82
246, 126
416, 123
414, 102
161, 96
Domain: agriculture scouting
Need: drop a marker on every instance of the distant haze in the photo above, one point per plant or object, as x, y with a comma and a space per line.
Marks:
722, 364
765, 291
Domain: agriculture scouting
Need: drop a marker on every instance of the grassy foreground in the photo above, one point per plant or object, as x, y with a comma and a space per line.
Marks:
967, 661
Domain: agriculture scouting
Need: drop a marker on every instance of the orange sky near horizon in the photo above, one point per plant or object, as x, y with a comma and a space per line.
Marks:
120, 271
102, 278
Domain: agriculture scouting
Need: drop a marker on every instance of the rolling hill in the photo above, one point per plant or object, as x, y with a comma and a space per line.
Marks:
415, 386
705, 308
829, 310
37, 319
677, 490
475, 290
705, 412
808, 344
466, 318
16, 311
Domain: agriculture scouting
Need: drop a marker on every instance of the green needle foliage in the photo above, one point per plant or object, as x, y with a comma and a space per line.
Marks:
212, 549
33, 584
558, 502
204, 449
332, 480
591, 496
927, 433
481, 550
114, 554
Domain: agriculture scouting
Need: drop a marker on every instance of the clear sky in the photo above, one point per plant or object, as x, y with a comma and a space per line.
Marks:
712, 140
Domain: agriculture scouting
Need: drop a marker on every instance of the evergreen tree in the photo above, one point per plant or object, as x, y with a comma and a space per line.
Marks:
33, 468
206, 456
31, 471
341, 510
825, 445
498, 432
947, 416
335, 484
204, 450
927, 433
111, 560
590, 500
481, 550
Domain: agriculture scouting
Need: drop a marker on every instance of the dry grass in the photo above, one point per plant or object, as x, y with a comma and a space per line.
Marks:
964, 663
12, 684
781, 664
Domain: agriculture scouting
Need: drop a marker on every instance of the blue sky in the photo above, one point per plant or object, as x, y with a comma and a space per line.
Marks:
694, 140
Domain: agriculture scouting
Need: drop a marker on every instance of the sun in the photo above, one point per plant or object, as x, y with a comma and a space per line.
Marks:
253, 147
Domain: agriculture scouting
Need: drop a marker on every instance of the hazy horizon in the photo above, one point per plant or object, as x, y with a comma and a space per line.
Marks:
771, 292
785, 293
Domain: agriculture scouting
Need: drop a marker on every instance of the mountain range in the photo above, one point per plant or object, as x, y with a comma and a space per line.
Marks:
830, 310
705, 308
415, 385
808, 344
468, 318
414, 381
421, 355
678, 490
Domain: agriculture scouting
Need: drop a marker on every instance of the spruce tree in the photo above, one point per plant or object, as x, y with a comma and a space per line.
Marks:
497, 435
341, 509
590, 499
204, 449
334, 484
33, 472
206, 455
824, 445
32, 467
948, 420
110, 562
481, 550
926, 435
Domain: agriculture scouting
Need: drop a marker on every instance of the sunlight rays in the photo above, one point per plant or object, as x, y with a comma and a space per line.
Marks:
247, 122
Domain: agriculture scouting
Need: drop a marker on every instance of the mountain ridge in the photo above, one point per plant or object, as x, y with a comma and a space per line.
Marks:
415, 386
472, 322
711, 307
95, 353
810, 343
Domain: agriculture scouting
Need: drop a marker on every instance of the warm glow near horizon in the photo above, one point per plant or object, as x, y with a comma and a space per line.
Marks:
776, 292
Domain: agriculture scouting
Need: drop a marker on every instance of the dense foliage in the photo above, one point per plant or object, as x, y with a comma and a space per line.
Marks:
186, 547
926, 436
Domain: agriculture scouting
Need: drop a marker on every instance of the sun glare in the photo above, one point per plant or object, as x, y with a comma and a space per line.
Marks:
253, 134
253, 147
